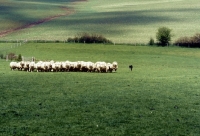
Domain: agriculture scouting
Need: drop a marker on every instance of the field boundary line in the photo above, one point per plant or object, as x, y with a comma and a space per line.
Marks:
68, 12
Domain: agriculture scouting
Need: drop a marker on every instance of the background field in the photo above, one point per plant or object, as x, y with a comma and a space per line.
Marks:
124, 21
159, 97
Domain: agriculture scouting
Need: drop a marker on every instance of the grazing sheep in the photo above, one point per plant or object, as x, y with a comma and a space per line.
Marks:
56, 66
50, 65
26, 66
67, 65
13, 65
47, 66
63, 67
73, 66
80, 65
38, 66
43, 66
31, 66
90, 66
115, 65
97, 66
101, 66
84, 66
109, 67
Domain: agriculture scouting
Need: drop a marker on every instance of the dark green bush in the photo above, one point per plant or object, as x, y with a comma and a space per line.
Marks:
151, 41
70, 39
88, 38
19, 58
163, 36
1, 56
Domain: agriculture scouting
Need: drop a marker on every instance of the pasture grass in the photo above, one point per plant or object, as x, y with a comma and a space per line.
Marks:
159, 97
15, 14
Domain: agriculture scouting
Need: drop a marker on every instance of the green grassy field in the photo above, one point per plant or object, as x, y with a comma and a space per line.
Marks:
159, 97
124, 21
16, 13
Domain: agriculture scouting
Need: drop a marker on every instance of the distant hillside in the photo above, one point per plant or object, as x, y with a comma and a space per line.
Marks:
124, 21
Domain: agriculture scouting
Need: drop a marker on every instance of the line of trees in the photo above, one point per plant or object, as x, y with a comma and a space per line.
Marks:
192, 42
164, 36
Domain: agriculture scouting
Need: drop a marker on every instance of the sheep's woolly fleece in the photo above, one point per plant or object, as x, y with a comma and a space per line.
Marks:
65, 66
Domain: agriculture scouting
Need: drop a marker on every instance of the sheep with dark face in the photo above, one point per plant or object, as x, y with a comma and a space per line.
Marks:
90, 66
22, 65
115, 65
112, 66
56, 66
26, 66
101, 66
16, 65
38, 66
31, 66
73, 66
47, 66
109, 67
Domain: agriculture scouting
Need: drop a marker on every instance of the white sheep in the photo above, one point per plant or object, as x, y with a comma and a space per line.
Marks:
115, 65
73, 66
26, 66
31, 66
90, 66
84, 66
38, 66
100, 66
109, 67
13, 65
56, 66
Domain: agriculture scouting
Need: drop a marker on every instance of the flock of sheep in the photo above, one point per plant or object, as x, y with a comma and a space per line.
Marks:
51, 66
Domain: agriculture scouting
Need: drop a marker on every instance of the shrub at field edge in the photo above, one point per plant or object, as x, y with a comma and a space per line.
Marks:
88, 38
193, 41
163, 36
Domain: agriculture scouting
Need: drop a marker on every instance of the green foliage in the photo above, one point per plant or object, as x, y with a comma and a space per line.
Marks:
88, 38
1, 56
19, 57
159, 97
151, 41
163, 36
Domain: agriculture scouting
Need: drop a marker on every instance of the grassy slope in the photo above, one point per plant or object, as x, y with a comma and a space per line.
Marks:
18, 13
121, 21
159, 97
128, 21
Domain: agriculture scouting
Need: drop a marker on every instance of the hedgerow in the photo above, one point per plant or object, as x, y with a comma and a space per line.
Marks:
192, 42
89, 38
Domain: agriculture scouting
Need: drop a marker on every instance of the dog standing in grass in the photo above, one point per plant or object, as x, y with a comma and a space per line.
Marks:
131, 67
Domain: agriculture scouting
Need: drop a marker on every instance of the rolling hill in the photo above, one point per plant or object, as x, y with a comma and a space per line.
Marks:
120, 21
